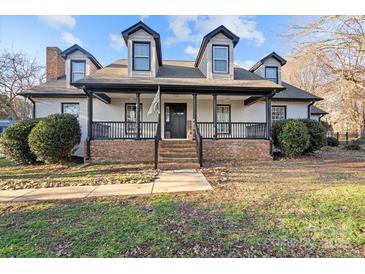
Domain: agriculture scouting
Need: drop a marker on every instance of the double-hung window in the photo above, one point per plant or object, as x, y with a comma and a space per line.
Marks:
71, 108
131, 117
77, 70
141, 56
271, 73
220, 59
278, 113
223, 119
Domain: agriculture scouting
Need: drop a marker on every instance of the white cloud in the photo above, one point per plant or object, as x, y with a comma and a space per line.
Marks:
116, 41
70, 39
247, 64
143, 17
193, 28
191, 50
58, 21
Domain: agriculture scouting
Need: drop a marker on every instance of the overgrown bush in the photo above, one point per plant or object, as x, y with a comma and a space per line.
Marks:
14, 142
326, 125
332, 142
294, 138
317, 135
54, 137
277, 128
353, 145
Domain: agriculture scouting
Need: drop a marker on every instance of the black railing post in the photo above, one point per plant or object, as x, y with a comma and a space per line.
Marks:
347, 137
195, 108
159, 117
89, 123
138, 114
268, 117
215, 129
338, 136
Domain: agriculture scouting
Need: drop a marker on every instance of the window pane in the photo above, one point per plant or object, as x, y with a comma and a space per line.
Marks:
141, 50
220, 53
141, 63
271, 74
77, 76
78, 67
220, 66
73, 109
278, 113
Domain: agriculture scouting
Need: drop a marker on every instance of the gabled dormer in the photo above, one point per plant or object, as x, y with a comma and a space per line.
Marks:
79, 63
269, 67
215, 57
144, 50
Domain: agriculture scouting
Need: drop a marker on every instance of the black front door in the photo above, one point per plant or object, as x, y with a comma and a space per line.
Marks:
175, 120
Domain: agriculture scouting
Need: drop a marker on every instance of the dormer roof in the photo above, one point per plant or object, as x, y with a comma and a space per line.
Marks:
142, 26
221, 29
274, 55
76, 47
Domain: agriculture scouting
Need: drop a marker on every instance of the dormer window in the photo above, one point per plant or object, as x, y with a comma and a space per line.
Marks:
141, 56
78, 68
271, 73
220, 59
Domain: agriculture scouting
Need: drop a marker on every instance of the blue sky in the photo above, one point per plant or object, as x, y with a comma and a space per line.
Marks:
180, 35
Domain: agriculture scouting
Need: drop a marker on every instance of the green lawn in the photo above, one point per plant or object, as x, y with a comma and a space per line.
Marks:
310, 207
13, 176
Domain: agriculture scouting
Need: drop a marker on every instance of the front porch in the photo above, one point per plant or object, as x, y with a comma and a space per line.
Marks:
205, 118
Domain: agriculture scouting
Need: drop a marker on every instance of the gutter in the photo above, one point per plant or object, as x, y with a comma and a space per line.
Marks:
309, 109
33, 106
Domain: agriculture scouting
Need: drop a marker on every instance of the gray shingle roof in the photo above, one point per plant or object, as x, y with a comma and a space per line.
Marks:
179, 73
54, 87
292, 92
318, 111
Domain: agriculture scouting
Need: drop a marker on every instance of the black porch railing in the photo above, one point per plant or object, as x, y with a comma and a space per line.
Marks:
123, 130
199, 143
233, 130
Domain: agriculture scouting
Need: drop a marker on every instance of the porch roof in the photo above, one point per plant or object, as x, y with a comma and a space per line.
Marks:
175, 75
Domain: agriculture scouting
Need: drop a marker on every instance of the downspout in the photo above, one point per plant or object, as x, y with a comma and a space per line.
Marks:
33, 106
309, 109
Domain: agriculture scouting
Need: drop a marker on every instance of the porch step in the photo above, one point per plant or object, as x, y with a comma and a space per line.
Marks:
178, 160
176, 166
178, 154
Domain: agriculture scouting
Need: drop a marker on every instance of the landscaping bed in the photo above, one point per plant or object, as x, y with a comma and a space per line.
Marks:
14, 176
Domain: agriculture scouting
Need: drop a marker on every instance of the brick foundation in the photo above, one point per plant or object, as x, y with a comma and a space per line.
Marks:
228, 150
126, 151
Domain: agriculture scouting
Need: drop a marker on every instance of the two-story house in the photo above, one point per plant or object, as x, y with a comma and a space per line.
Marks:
179, 114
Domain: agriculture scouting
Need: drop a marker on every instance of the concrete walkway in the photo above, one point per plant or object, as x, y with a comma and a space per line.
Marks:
167, 181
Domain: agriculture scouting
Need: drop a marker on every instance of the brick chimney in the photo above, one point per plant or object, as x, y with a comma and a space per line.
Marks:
55, 64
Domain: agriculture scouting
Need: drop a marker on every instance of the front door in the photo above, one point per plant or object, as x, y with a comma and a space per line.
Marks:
175, 120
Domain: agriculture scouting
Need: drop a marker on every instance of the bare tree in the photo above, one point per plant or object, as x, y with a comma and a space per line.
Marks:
330, 56
18, 73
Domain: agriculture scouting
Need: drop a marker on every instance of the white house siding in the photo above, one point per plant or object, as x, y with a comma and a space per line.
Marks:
78, 55
315, 117
270, 62
142, 36
115, 111
206, 65
294, 110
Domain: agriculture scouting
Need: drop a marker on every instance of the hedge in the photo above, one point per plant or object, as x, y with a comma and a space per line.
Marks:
54, 137
294, 138
14, 142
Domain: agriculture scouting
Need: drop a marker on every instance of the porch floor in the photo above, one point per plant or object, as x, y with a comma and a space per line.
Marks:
166, 181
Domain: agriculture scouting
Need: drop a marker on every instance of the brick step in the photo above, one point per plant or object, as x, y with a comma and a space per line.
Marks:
180, 154
176, 166
178, 146
178, 159
177, 142
177, 150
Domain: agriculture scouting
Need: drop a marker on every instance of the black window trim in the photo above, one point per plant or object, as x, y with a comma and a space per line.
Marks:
76, 61
277, 73
70, 103
228, 57
281, 106
229, 120
149, 55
